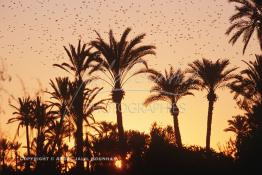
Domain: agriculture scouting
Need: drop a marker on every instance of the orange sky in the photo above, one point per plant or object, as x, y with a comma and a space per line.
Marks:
32, 34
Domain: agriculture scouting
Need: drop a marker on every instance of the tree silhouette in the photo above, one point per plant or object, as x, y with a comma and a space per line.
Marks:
211, 76
41, 117
239, 126
24, 117
15, 146
117, 59
170, 87
5, 146
247, 86
246, 20
81, 61
61, 100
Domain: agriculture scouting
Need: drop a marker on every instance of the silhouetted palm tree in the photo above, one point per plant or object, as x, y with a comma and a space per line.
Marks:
106, 128
4, 145
65, 150
24, 117
82, 60
41, 116
61, 96
15, 146
51, 136
248, 85
246, 21
238, 125
211, 76
170, 87
117, 59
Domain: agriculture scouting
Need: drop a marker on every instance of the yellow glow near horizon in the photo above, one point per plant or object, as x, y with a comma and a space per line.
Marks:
118, 164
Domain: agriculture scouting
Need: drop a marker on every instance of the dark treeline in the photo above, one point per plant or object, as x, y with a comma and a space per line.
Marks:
106, 148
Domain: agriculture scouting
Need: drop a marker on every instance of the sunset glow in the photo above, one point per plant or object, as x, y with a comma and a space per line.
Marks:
118, 164
128, 78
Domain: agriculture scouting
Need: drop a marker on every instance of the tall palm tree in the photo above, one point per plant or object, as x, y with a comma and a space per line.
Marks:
248, 85
116, 60
24, 117
246, 20
82, 60
211, 76
170, 87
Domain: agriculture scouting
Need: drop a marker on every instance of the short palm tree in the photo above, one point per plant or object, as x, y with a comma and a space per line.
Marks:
15, 146
238, 125
41, 116
211, 76
60, 96
82, 60
248, 85
51, 136
24, 117
117, 58
170, 87
5, 146
246, 20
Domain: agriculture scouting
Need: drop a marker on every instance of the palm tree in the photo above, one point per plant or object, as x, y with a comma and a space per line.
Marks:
116, 60
82, 60
170, 87
248, 85
4, 145
238, 125
41, 118
65, 151
61, 100
16, 146
24, 117
246, 20
211, 76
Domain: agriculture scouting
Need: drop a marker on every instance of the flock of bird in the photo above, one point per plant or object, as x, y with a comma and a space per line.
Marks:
39, 28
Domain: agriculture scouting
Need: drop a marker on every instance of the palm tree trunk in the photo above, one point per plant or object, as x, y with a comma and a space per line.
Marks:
3, 161
120, 125
209, 123
40, 151
28, 147
121, 134
177, 131
66, 165
58, 134
79, 144
117, 96
16, 161
78, 105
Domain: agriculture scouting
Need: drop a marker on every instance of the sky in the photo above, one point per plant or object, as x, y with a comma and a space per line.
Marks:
33, 33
